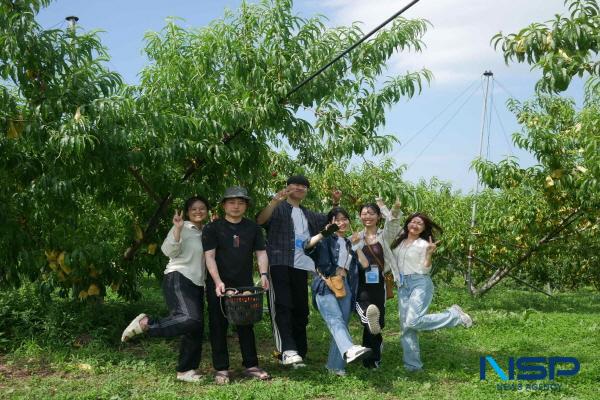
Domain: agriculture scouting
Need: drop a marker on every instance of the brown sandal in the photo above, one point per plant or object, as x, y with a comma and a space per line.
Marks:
222, 377
258, 373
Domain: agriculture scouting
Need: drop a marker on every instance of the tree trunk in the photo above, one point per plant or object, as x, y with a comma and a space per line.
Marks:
166, 201
502, 272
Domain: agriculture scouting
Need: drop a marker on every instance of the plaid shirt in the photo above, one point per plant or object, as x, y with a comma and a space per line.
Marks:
281, 236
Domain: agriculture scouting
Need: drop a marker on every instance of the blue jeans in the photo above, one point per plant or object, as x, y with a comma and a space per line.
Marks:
336, 313
414, 298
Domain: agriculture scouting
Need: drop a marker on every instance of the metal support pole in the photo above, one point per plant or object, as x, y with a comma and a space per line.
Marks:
72, 21
487, 75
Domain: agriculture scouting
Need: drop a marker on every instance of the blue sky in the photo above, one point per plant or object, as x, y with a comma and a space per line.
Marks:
458, 51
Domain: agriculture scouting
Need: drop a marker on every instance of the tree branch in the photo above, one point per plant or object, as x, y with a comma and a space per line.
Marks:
168, 199
138, 177
501, 273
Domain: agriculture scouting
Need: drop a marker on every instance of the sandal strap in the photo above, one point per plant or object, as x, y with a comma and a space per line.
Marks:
222, 377
257, 372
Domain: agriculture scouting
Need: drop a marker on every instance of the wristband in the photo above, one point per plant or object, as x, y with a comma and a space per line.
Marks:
264, 274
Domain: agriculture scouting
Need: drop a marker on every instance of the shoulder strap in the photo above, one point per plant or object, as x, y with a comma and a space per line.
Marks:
330, 252
377, 260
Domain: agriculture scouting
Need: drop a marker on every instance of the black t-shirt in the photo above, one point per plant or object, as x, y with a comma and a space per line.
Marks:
235, 245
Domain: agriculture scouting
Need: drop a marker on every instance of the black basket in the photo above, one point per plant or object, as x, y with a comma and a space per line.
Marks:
244, 309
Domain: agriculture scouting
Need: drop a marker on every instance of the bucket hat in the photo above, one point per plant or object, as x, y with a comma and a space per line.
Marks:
235, 192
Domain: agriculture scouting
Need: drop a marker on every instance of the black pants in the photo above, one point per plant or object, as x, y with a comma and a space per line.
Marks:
371, 293
218, 324
185, 301
288, 303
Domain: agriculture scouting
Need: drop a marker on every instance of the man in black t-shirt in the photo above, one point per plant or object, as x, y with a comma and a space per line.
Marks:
229, 245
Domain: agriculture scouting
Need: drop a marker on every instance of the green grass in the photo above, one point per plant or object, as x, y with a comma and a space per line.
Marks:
67, 350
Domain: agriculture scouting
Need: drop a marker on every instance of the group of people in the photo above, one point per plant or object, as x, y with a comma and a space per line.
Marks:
348, 273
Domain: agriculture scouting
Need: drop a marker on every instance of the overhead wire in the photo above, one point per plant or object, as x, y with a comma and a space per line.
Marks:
442, 128
349, 49
61, 22
504, 88
414, 135
504, 134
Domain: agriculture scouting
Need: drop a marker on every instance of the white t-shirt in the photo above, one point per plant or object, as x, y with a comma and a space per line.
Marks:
187, 255
301, 234
411, 258
344, 257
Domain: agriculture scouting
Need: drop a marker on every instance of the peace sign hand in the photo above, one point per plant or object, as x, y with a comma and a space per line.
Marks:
281, 195
432, 246
379, 201
355, 238
330, 229
178, 220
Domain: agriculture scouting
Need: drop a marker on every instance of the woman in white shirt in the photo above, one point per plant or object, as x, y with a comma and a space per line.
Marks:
183, 288
411, 246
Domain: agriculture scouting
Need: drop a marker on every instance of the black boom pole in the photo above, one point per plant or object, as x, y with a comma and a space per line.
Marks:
349, 49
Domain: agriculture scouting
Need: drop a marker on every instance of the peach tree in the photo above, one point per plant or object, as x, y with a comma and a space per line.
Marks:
93, 168
547, 230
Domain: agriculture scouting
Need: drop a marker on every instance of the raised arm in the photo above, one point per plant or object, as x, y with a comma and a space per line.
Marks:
265, 215
393, 223
385, 212
171, 246
327, 231
357, 246
312, 242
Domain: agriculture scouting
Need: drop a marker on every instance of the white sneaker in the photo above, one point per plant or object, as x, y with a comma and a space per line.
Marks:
291, 357
465, 318
356, 352
188, 376
133, 329
373, 319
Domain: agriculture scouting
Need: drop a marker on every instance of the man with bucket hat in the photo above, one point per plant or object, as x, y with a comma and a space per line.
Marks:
229, 244
288, 225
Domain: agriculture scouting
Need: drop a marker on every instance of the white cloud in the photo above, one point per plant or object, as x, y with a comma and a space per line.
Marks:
458, 44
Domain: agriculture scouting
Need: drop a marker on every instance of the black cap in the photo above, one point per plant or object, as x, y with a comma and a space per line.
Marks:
299, 180
235, 192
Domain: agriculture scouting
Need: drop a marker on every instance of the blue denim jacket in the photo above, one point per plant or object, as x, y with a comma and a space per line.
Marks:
325, 255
